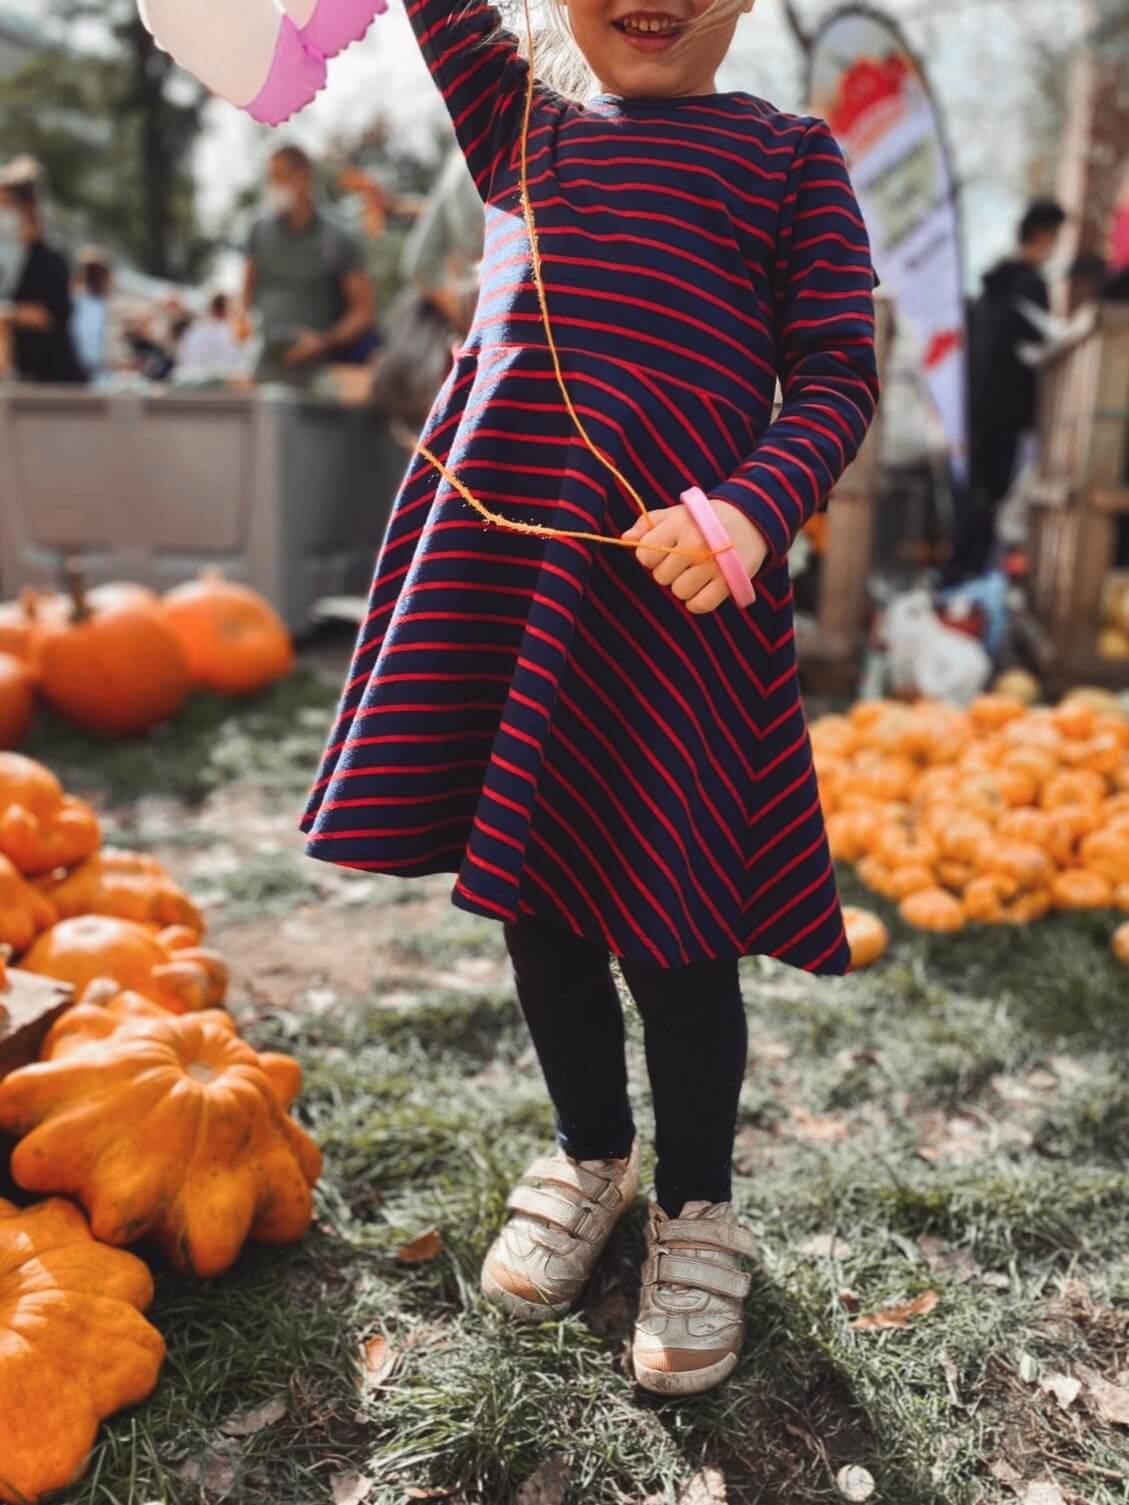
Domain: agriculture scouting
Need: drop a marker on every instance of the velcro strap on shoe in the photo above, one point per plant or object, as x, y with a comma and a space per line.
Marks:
567, 1173
540, 1202
708, 1231
670, 1267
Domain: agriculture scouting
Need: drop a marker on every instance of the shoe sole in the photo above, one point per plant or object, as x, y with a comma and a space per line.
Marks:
518, 1306
686, 1381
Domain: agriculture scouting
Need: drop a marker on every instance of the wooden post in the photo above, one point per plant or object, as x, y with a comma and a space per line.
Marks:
29, 1005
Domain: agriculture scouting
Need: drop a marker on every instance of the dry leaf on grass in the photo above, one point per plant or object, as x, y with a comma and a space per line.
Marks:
849, 1300
996, 1280
826, 1246
1109, 1402
421, 1249
1043, 1492
814, 1129
350, 1489
959, 1264
705, 1488
378, 1360
416, 1493
214, 1472
855, 1483
1003, 1471
547, 1484
250, 1422
898, 1315
1064, 1388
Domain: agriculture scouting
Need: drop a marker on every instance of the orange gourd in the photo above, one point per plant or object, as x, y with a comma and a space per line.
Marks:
986, 898
24, 621
1121, 943
1121, 897
117, 671
1029, 865
1076, 786
867, 937
156, 964
40, 827
17, 700
989, 712
1081, 888
197, 1153
932, 909
74, 1347
1107, 852
24, 911
233, 639
130, 885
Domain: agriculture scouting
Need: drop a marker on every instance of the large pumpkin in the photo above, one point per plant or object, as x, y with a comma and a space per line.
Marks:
867, 937
105, 1009
165, 966
24, 911
118, 671
173, 1132
234, 640
74, 1347
131, 885
17, 700
41, 827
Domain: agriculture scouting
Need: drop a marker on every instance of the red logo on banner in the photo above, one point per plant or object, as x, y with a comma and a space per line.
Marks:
868, 83
944, 343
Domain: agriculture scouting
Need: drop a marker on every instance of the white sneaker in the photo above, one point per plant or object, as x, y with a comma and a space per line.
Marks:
564, 1212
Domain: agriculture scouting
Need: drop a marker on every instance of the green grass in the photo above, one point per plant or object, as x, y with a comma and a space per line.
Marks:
426, 1112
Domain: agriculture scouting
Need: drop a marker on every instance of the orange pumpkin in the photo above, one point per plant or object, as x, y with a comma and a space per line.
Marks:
233, 639
105, 1010
131, 885
1121, 943
24, 621
197, 1153
114, 593
932, 909
989, 712
24, 911
74, 1347
1077, 786
1107, 852
986, 897
1029, 865
1081, 888
118, 671
40, 827
17, 700
867, 937
1121, 897
181, 978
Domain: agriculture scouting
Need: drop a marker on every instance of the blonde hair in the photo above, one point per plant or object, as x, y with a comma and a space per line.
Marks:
558, 60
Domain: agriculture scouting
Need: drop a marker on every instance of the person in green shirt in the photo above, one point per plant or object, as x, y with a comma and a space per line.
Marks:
306, 280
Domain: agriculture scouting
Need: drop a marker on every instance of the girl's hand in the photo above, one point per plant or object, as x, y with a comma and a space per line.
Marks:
701, 586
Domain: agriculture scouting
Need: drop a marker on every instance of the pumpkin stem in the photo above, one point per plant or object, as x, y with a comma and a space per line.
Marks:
75, 577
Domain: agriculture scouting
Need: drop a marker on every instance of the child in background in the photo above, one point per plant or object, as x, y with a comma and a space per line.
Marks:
606, 745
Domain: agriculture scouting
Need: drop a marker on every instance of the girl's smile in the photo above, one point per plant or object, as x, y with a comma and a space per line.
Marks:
649, 30
665, 50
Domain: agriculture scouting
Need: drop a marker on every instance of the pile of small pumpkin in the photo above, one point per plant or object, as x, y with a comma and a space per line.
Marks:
145, 1117
994, 814
118, 659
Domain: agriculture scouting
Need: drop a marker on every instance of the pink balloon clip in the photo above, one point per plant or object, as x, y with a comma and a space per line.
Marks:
713, 530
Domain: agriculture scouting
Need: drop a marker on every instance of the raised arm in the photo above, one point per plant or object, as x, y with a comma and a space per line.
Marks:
828, 371
477, 68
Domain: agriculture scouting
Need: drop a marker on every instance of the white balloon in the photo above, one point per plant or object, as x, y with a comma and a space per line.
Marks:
330, 25
248, 52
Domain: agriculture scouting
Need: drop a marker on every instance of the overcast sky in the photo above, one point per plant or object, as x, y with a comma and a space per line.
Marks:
972, 49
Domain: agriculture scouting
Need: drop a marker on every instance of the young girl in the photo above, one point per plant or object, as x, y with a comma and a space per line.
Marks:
606, 743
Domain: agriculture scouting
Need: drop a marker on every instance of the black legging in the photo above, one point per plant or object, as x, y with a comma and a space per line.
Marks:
696, 1041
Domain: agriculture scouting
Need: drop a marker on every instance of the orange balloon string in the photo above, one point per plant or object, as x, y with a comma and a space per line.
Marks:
698, 555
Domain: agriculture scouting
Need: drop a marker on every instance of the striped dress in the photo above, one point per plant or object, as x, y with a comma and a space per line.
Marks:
538, 716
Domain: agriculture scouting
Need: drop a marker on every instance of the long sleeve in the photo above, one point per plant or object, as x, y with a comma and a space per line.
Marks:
479, 72
826, 352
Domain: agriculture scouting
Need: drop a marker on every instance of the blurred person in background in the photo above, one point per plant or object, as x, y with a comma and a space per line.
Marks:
307, 280
36, 317
1008, 324
90, 318
209, 345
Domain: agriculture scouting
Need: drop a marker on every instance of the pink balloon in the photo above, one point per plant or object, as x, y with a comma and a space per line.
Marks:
331, 25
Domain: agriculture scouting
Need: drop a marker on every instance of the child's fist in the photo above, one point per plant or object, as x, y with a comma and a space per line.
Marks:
701, 585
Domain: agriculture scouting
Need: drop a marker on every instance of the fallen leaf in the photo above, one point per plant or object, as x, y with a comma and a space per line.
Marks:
1110, 1402
547, 1484
996, 1279
214, 1472
1043, 1492
826, 1246
898, 1315
349, 1489
705, 1488
1028, 1368
378, 1360
415, 1493
855, 1483
849, 1300
421, 1249
946, 1452
960, 1264
815, 1129
1003, 1471
250, 1422
1064, 1388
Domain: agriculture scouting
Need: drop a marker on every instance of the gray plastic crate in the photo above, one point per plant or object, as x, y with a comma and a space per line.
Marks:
288, 493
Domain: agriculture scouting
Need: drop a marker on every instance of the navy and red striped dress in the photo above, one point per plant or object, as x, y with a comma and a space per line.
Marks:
539, 717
